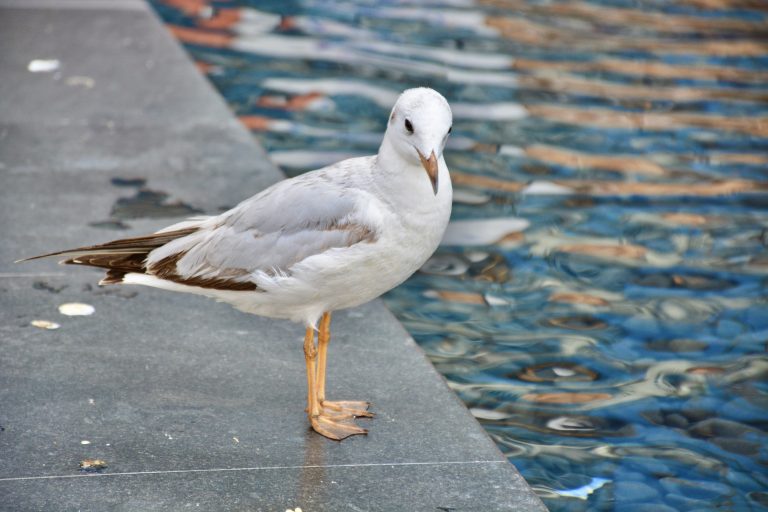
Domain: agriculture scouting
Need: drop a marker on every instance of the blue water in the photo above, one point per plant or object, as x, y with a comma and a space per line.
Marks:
605, 316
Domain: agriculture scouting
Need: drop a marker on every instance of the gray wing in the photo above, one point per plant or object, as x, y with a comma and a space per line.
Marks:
270, 232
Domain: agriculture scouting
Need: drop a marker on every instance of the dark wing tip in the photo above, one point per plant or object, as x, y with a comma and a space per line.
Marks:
58, 253
136, 245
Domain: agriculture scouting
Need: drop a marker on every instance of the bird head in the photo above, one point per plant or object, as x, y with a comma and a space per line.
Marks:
418, 129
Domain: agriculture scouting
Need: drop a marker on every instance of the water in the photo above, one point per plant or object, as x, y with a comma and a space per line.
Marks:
601, 308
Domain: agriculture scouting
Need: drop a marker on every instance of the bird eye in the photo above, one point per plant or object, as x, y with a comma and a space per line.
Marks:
408, 126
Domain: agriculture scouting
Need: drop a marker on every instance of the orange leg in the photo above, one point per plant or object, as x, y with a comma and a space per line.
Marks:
334, 420
323, 337
352, 408
310, 357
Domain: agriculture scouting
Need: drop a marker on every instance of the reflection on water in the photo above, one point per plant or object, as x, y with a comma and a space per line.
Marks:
600, 301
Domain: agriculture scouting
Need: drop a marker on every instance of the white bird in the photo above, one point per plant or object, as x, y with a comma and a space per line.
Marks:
330, 239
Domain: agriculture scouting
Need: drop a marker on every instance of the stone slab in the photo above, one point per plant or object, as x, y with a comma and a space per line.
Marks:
190, 403
152, 82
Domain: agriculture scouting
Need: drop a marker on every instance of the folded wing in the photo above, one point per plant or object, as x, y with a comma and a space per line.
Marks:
271, 232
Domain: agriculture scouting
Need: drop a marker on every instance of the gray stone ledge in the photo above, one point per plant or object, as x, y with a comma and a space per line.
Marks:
191, 403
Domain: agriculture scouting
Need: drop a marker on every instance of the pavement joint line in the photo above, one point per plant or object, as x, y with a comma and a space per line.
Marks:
109, 5
255, 468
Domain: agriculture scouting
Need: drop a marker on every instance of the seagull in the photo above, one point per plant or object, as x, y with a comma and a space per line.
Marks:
330, 239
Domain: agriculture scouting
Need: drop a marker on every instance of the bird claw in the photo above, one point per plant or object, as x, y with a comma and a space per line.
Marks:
337, 419
355, 408
336, 427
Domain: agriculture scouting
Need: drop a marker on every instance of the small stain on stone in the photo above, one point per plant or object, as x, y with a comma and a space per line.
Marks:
43, 65
42, 285
128, 182
148, 203
92, 465
44, 324
76, 309
109, 224
116, 291
80, 81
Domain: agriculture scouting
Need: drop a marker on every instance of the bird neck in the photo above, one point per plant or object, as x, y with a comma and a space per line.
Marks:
389, 159
406, 181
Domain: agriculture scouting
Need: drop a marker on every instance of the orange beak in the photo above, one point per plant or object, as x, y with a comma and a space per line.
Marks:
430, 165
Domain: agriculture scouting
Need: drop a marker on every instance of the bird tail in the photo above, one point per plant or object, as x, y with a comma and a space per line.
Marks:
119, 257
